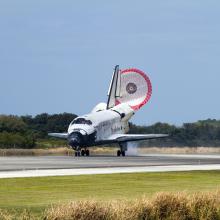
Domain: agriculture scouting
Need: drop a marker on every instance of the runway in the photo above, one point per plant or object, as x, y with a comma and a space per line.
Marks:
68, 165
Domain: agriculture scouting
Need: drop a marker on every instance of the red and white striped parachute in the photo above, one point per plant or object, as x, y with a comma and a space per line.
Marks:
130, 86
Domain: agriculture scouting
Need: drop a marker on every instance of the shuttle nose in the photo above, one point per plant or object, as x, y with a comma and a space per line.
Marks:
81, 137
74, 139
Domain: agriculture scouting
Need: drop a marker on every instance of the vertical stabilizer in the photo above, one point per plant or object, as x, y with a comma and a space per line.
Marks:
114, 88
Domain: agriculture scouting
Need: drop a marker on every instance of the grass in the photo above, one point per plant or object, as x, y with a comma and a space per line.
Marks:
163, 206
38, 193
53, 151
36, 152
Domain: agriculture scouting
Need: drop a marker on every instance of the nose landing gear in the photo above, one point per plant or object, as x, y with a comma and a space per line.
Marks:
82, 152
77, 153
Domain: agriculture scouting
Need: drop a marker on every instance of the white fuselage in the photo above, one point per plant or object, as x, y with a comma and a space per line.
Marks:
104, 123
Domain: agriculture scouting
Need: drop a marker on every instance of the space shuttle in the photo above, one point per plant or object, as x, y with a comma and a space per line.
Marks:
108, 123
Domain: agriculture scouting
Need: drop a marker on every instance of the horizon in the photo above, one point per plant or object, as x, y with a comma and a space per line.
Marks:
177, 125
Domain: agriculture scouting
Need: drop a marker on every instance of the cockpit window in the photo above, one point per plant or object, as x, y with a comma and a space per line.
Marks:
81, 121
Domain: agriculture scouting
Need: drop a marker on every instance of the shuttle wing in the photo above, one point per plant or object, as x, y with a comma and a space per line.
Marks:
135, 137
59, 135
117, 138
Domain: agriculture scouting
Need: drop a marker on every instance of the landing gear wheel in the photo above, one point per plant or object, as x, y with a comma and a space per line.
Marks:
118, 153
123, 148
77, 154
83, 152
87, 153
122, 153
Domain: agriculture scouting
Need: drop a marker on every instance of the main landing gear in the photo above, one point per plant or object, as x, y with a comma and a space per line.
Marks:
123, 149
121, 153
79, 153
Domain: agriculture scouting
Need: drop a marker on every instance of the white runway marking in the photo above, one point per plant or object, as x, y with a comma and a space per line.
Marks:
92, 171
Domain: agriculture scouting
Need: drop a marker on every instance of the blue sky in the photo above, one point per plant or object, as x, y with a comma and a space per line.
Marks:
58, 56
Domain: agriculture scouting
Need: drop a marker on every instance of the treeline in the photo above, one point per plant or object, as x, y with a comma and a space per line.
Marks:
201, 133
27, 131
24, 131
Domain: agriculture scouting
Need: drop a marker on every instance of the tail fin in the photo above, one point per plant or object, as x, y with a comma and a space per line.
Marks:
114, 88
130, 86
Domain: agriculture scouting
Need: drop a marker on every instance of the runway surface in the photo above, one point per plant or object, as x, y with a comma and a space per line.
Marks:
68, 165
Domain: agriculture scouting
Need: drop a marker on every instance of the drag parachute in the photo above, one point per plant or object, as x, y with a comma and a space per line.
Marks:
130, 86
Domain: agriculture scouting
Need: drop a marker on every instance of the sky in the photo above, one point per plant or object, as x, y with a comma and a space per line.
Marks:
58, 56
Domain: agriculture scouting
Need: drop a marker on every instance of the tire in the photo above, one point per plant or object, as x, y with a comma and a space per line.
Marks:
87, 153
118, 153
83, 152
123, 153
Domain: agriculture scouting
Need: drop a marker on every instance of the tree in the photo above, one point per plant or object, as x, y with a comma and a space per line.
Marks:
12, 124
